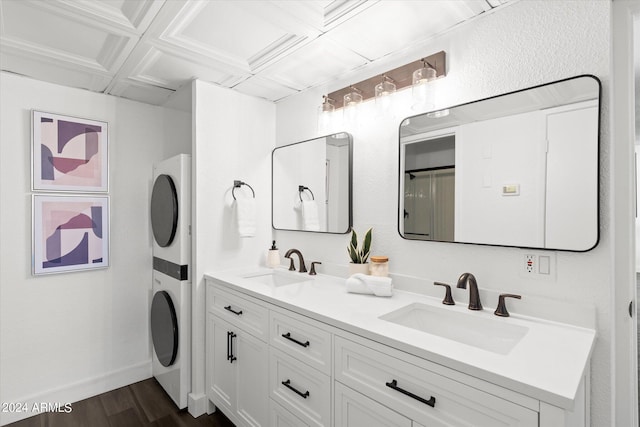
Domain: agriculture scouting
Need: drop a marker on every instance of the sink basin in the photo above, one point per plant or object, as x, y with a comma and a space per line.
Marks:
474, 329
276, 278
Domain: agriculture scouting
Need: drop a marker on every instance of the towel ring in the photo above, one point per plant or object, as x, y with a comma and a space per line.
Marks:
301, 188
238, 184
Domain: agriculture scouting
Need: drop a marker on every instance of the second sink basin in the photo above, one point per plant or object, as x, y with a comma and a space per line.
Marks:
276, 278
473, 329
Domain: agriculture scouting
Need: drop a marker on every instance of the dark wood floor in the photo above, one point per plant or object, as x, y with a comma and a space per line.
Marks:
140, 404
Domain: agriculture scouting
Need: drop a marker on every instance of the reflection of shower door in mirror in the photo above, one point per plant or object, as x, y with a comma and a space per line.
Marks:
429, 204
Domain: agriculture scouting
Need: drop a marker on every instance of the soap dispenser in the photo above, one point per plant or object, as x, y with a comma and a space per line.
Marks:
273, 256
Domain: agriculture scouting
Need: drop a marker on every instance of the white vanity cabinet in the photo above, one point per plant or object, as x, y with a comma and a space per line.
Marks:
268, 365
237, 360
300, 366
388, 377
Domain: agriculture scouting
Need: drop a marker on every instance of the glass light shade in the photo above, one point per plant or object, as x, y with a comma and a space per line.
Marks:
350, 110
383, 92
327, 105
352, 99
423, 96
384, 89
325, 115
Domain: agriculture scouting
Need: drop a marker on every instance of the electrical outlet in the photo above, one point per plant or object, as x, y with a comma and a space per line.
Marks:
538, 265
530, 263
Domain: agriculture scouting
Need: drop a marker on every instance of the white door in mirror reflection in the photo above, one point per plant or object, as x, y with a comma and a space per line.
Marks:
541, 142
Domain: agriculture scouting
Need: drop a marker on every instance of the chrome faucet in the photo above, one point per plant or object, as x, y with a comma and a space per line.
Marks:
474, 296
303, 268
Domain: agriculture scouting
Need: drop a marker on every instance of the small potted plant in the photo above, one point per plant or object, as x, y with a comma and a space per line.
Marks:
359, 254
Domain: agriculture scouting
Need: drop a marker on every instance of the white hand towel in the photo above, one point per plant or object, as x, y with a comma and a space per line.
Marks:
246, 216
364, 284
310, 219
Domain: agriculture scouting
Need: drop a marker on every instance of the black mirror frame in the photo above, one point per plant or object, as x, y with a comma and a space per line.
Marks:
350, 173
598, 223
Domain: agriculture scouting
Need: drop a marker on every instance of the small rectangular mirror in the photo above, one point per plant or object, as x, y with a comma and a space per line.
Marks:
312, 185
519, 169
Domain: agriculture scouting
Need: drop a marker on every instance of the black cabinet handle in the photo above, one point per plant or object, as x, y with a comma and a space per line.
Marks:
230, 337
394, 385
288, 385
288, 336
237, 313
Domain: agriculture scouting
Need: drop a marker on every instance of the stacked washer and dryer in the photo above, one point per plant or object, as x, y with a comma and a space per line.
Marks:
171, 304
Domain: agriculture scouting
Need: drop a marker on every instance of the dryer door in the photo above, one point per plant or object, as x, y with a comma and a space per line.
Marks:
164, 210
164, 328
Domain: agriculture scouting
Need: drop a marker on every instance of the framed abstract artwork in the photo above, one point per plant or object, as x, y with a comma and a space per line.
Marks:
70, 233
69, 153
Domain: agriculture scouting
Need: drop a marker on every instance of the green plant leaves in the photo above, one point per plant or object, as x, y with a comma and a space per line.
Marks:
359, 255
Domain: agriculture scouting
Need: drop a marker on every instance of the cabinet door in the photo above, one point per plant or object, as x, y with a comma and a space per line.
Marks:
352, 409
221, 373
252, 362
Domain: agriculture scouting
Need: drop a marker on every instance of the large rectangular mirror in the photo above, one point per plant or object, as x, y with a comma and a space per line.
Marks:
312, 185
519, 169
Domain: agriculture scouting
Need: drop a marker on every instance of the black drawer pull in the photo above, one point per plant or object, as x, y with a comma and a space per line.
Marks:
288, 385
230, 337
394, 385
237, 313
288, 336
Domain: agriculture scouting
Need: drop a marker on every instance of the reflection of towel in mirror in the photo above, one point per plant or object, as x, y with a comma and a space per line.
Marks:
246, 216
310, 219
364, 284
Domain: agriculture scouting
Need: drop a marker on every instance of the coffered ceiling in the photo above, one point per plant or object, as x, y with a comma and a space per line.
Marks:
146, 49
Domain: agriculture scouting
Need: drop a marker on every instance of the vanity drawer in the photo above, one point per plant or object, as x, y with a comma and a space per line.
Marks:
423, 395
304, 392
310, 344
353, 409
239, 311
280, 417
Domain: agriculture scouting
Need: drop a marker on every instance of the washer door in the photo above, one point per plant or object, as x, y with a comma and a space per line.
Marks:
164, 210
164, 328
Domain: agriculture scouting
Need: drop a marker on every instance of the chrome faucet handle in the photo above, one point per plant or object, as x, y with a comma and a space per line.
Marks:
501, 310
313, 268
448, 299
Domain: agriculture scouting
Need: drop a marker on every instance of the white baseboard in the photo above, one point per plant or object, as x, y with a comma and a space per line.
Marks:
198, 404
74, 392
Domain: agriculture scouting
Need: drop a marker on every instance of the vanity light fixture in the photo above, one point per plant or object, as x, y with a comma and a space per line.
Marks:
423, 94
400, 77
325, 114
351, 100
383, 92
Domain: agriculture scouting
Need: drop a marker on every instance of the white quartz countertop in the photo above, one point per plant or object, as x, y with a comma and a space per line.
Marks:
548, 363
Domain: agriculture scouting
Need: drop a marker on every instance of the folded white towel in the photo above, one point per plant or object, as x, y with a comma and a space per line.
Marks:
246, 216
310, 219
364, 284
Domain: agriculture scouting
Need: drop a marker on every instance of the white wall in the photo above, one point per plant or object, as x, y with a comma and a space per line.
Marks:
66, 337
520, 45
233, 135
